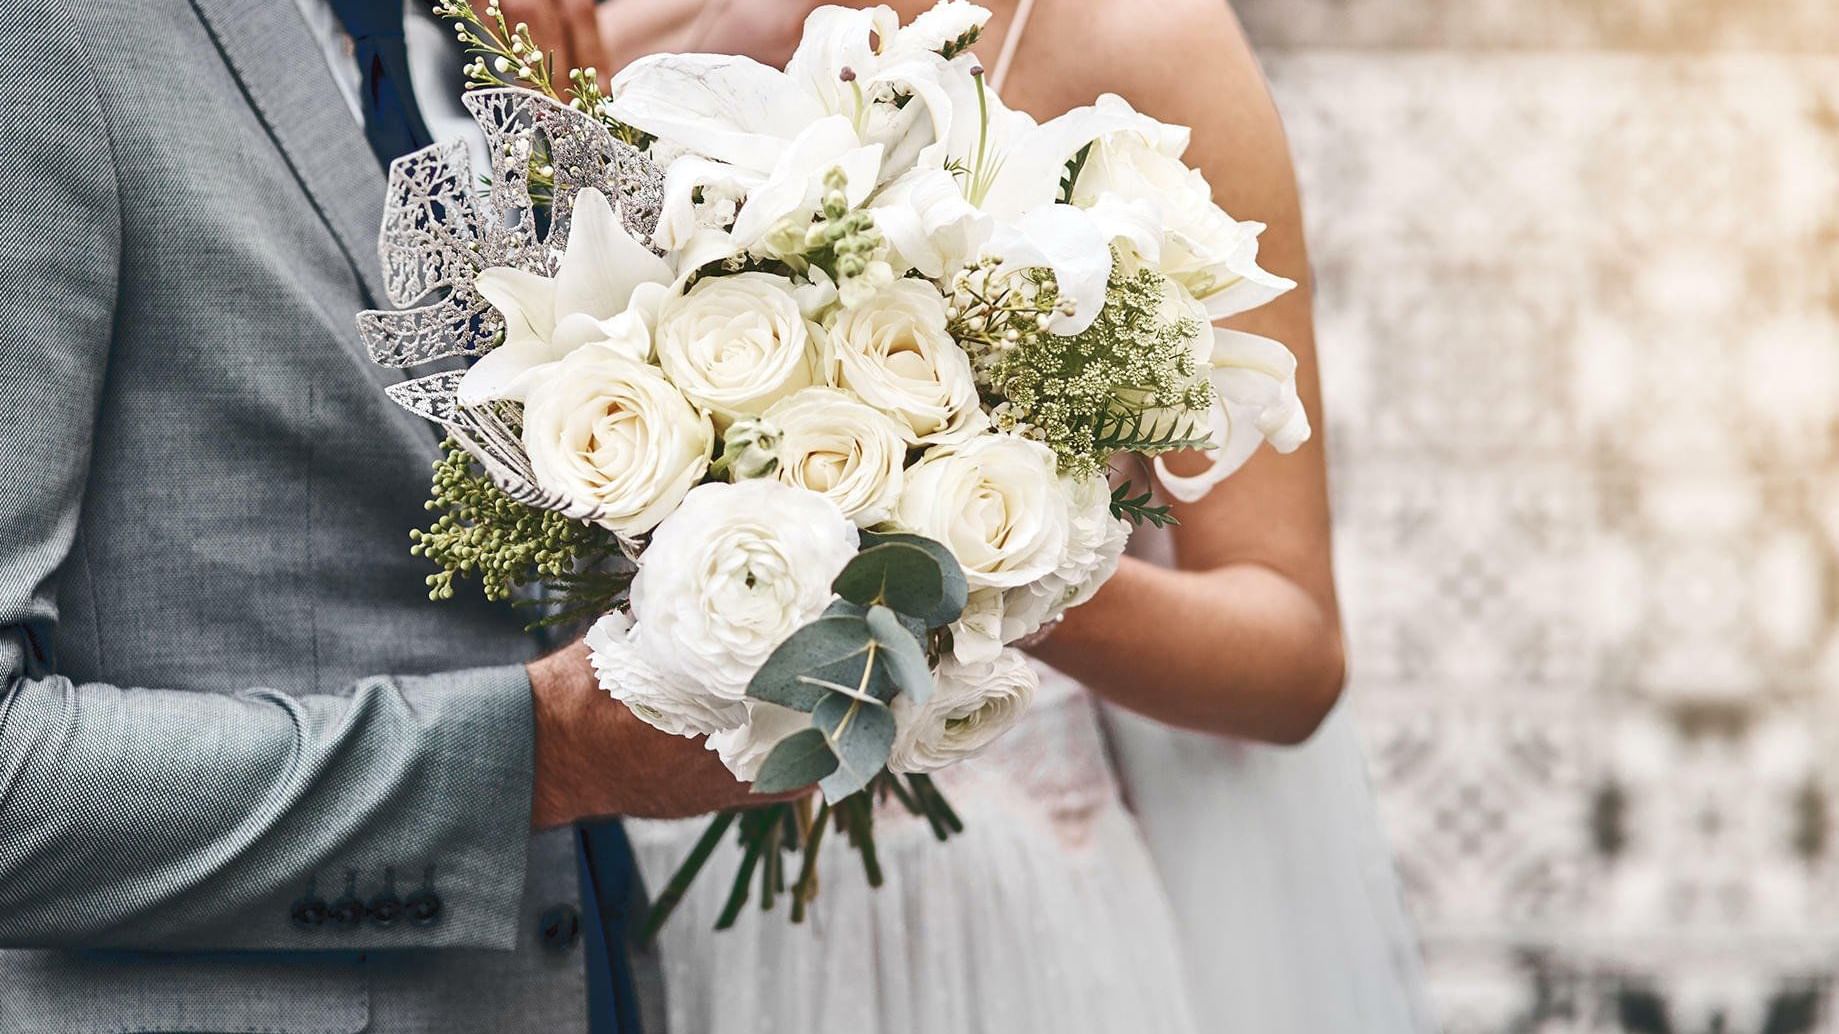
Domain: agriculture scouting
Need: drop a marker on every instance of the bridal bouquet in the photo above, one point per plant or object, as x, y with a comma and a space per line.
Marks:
808, 387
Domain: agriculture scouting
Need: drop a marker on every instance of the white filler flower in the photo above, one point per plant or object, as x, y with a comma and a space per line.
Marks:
732, 573
972, 706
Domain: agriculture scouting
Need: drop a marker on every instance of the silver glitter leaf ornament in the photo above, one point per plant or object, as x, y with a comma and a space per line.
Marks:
442, 227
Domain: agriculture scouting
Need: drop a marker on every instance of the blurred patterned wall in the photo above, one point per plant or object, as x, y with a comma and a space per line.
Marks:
1579, 307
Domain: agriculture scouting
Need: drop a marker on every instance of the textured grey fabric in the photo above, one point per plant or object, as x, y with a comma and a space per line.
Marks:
224, 687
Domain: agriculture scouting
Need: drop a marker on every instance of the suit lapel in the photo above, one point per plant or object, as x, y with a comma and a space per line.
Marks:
283, 73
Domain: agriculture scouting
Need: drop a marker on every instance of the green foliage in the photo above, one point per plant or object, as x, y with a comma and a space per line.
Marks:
907, 578
1140, 509
798, 760
963, 43
1070, 179
860, 734
1129, 382
485, 533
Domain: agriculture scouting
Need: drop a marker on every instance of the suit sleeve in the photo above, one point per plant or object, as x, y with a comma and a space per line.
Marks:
167, 819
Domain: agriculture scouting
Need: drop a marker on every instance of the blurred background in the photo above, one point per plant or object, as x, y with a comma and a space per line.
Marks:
1578, 273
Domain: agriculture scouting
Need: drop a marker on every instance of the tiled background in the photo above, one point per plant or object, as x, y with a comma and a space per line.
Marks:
1579, 310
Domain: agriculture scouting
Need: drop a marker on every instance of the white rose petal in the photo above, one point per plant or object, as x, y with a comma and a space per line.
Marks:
736, 344
731, 574
608, 432
1095, 545
836, 445
971, 707
995, 502
673, 705
977, 635
893, 350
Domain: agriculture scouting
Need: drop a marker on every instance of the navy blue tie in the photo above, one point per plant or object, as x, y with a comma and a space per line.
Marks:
392, 123
610, 892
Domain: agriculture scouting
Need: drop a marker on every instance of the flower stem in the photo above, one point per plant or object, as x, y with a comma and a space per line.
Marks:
673, 892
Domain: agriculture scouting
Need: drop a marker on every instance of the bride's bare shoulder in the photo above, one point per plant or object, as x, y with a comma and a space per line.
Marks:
1169, 57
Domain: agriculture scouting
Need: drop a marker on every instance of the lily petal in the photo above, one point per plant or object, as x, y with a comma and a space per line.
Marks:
527, 301
1068, 241
1248, 285
797, 179
506, 372
1255, 381
836, 38
603, 263
731, 108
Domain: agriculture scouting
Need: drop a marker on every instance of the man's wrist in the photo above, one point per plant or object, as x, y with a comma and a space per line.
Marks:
561, 685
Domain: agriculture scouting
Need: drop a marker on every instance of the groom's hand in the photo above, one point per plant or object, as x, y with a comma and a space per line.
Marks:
594, 758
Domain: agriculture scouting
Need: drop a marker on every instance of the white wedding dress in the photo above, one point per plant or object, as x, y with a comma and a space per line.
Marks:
1045, 916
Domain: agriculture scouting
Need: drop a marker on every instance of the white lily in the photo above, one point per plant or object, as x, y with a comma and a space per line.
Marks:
837, 104
1211, 254
606, 291
1008, 167
1254, 379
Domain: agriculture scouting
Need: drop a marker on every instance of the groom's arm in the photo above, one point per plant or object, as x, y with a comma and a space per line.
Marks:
173, 819
158, 817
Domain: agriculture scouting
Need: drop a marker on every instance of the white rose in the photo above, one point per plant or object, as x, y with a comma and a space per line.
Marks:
608, 432
836, 445
1095, 544
894, 351
732, 573
736, 344
744, 749
1209, 252
971, 706
674, 705
995, 502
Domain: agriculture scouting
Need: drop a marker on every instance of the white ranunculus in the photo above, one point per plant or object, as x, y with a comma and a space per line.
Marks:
731, 574
605, 291
608, 432
736, 344
1095, 544
977, 635
1211, 254
744, 748
971, 707
834, 444
674, 705
894, 351
995, 502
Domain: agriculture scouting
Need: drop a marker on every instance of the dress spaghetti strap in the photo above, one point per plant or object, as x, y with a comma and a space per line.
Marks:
1010, 42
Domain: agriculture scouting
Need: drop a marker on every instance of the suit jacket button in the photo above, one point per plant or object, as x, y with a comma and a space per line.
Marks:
308, 913
346, 912
423, 908
560, 927
385, 910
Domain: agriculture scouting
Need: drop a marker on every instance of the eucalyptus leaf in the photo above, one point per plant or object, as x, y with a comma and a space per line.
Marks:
955, 591
826, 648
797, 761
860, 736
901, 654
904, 577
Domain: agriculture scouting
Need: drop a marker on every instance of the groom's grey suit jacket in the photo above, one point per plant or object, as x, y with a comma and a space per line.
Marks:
224, 687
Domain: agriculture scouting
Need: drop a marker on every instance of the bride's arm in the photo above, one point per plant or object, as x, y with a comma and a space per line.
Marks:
1242, 636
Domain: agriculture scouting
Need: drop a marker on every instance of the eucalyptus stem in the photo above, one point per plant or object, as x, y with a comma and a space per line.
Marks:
806, 887
679, 884
927, 789
753, 840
